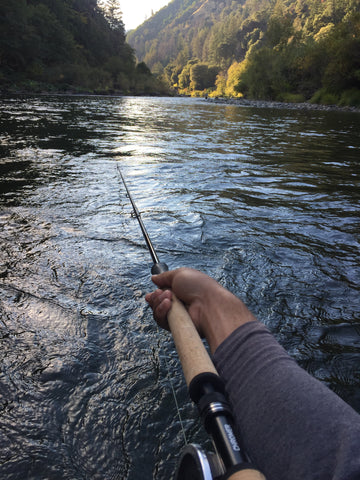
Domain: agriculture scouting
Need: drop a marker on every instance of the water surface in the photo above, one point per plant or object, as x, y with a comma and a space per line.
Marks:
264, 200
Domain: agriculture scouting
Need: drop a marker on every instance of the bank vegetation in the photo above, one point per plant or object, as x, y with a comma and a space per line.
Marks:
69, 46
284, 50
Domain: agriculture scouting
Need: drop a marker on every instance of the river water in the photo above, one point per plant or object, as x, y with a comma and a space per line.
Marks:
265, 200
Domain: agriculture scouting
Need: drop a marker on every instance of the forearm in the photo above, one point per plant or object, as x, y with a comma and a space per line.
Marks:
222, 313
291, 425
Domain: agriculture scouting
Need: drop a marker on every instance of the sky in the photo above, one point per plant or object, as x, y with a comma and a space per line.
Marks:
136, 12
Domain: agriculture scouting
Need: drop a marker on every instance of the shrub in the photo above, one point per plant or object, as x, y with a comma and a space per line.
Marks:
323, 97
350, 98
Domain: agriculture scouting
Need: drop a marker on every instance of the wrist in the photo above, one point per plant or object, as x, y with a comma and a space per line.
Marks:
222, 314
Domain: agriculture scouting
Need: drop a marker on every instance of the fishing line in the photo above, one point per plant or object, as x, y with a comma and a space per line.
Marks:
174, 395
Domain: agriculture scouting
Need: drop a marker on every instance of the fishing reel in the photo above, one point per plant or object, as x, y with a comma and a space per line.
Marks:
196, 464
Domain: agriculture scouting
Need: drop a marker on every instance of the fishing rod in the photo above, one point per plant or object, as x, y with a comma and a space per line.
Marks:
207, 391
158, 267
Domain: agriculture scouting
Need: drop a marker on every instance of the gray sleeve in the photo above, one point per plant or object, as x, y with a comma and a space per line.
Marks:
292, 426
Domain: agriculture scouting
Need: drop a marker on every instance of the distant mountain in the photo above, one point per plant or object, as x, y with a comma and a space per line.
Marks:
182, 27
287, 47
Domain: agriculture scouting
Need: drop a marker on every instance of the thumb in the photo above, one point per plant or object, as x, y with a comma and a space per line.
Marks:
164, 280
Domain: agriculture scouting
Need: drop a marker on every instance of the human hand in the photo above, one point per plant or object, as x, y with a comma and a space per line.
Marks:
215, 311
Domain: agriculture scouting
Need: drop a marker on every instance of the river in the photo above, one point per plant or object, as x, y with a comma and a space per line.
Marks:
265, 200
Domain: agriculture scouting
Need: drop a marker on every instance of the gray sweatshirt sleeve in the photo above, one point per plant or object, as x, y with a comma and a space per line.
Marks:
292, 426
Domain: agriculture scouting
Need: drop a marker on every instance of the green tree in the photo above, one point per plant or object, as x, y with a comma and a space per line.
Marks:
259, 78
67, 44
234, 77
185, 75
220, 84
14, 33
113, 14
199, 77
343, 45
278, 31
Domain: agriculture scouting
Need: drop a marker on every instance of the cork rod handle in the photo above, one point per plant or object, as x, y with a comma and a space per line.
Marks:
192, 353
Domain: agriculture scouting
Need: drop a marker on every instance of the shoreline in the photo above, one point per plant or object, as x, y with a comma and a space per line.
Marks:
241, 102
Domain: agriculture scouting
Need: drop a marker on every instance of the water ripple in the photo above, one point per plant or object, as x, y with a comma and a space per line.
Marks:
265, 200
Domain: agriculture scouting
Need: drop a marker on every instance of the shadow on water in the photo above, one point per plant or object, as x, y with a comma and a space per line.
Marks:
264, 200
15, 175
37, 137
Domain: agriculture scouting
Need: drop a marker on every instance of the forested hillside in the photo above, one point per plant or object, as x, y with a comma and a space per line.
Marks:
68, 45
291, 50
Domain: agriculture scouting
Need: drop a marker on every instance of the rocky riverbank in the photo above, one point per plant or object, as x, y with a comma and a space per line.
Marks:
272, 104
